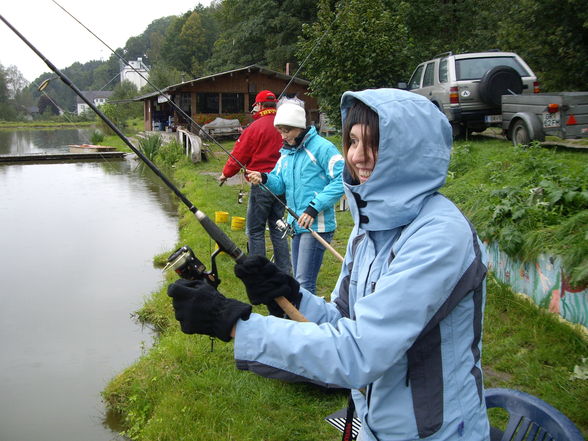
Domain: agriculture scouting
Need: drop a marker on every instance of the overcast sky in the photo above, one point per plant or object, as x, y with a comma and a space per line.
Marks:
63, 41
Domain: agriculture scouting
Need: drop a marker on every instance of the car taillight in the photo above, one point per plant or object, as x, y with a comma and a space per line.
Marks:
552, 108
536, 88
454, 95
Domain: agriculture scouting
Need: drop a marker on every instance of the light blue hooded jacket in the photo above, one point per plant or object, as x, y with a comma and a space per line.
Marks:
404, 327
310, 174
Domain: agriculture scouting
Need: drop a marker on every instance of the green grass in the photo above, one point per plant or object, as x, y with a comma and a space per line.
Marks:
180, 390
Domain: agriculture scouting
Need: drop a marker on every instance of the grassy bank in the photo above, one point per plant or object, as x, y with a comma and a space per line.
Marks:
181, 390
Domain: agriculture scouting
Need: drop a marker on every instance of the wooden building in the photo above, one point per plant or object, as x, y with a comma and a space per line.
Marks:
228, 94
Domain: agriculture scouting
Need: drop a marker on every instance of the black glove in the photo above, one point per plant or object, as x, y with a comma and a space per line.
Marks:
264, 282
201, 309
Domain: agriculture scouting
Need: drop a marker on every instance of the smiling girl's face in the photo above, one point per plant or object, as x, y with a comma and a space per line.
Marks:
361, 139
361, 157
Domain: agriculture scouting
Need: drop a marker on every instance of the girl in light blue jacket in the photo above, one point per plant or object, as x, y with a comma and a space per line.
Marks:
403, 329
308, 173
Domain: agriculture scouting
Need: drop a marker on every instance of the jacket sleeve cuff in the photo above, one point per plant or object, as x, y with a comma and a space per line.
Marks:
264, 178
311, 211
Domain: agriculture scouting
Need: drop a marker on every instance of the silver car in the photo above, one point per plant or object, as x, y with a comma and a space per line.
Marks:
468, 87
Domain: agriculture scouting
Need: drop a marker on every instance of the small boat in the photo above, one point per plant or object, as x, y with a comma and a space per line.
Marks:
90, 148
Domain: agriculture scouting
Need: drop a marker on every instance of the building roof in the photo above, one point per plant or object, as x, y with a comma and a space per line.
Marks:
93, 94
251, 68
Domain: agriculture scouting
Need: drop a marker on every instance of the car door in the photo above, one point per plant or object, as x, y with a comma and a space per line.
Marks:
428, 83
414, 84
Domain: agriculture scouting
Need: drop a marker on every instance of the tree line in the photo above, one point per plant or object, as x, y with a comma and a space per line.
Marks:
339, 45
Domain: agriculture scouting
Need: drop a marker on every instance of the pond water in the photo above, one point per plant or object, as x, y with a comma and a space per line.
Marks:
77, 242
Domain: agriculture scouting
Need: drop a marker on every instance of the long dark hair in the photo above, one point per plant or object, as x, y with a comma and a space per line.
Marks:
360, 113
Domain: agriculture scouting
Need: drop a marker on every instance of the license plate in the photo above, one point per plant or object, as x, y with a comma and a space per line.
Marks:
551, 120
493, 118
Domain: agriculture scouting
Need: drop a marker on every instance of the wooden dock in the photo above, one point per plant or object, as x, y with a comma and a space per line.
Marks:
61, 157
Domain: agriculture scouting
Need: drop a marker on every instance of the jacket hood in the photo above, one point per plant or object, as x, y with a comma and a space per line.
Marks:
412, 162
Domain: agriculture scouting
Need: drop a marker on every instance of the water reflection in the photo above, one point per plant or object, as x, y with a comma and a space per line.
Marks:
18, 142
76, 242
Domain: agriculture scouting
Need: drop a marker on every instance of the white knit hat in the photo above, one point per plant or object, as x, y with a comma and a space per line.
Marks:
290, 114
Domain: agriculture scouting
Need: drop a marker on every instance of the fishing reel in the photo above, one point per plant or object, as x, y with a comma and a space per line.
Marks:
285, 228
185, 263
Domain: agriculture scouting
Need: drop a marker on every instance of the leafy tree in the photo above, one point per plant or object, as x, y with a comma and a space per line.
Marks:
148, 45
7, 111
259, 32
162, 75
125, 92
47, 107
552, 36
360, 44
15, 81
188, 42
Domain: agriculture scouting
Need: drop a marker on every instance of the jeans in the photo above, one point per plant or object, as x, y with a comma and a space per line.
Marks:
264, 209
307, 257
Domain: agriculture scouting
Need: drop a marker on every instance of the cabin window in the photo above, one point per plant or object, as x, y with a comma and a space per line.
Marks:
208, 103
184, 100
233, 102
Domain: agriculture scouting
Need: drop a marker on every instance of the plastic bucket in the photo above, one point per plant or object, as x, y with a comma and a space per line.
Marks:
237, 223
221, 217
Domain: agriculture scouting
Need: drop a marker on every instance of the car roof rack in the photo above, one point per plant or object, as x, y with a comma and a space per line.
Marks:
443, 54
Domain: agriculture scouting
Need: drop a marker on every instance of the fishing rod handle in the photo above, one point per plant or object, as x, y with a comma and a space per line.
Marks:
290, 309
229, 247
326, 244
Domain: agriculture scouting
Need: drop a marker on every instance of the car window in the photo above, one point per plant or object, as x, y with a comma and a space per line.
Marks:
475, 68
415, 80
429, 78
443, 70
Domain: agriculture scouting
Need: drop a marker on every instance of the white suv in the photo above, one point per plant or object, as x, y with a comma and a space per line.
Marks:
468, 87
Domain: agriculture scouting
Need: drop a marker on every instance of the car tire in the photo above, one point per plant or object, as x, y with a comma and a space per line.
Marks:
457, 130
520, 133
498, 81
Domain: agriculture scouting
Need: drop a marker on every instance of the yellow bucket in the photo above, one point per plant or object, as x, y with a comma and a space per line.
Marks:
221, 217
237, 223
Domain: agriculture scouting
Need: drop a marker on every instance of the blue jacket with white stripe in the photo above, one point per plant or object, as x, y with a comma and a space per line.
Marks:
403, 329
310, 174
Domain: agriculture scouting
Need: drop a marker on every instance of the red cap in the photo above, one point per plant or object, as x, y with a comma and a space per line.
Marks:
265, 96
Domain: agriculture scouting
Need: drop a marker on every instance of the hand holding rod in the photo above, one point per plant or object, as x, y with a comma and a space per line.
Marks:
218, 235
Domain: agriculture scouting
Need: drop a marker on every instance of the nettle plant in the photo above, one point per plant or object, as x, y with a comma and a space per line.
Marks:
544, 199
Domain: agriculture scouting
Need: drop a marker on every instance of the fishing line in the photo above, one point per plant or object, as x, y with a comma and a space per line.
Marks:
224, 242
210, 137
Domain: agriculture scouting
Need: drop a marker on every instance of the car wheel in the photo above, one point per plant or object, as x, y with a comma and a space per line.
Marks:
457, 130
498, 81
520, 133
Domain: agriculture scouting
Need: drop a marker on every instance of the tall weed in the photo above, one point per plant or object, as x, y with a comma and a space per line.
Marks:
515, 196
150, 146
171, 153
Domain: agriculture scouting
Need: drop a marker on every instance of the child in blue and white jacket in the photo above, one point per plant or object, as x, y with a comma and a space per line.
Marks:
309, 174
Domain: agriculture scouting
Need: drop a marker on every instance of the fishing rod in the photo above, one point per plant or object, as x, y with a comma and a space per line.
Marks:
225, 244
292, 213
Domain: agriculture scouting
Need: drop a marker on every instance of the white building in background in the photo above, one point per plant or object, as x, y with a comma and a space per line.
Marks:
131, 73
97, 97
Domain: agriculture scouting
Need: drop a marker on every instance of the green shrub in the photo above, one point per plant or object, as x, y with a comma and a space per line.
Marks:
150, 146
170, 153
97, 137
524, 198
